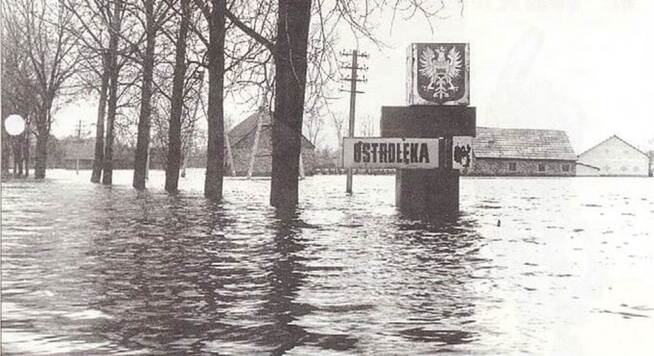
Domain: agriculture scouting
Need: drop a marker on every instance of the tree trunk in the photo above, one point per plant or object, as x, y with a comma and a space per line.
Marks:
18, 156
143, 134
99, 125
213, 180
26, 151
112, 100
176, 104
6, 148
290, 76
41, 154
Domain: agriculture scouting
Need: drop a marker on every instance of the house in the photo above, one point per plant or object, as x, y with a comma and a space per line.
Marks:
71, 149
254, 134
521, 152
614, 157
77, 153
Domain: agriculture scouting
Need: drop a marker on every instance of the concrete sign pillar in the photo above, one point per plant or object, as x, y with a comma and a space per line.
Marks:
438, 95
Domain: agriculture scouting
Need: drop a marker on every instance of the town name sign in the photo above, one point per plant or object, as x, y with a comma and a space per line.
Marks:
380, 152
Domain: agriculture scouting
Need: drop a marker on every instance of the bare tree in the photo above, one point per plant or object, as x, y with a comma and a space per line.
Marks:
50, 48
213, 12
368, 126
152, 14
338, 121
313, 125
93, 26
174, 156
18, 96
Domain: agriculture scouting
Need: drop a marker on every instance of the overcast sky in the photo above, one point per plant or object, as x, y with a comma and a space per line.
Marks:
583, 66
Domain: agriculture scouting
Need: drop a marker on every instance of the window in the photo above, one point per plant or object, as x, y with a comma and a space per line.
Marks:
565, 167
541, 167
624, 169
512, 166
636, 169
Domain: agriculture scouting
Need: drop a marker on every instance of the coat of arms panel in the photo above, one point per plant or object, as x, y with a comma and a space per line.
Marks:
439, 74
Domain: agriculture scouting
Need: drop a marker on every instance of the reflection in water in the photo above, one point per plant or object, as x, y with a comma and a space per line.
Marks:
88, 269
445, 253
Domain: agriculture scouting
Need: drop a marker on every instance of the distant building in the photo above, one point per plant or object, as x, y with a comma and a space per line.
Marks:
242, 142
70, 149
77, 151
613, 157
521, 152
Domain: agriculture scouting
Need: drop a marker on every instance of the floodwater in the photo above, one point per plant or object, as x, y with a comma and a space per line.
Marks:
88, 269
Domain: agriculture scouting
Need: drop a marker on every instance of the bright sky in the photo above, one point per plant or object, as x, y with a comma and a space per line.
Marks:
577, 65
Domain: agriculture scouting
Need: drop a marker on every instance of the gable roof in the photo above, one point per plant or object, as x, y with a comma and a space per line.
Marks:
609, 138
492, 142
248, 125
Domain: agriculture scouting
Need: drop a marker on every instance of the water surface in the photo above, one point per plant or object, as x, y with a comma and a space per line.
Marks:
88, 269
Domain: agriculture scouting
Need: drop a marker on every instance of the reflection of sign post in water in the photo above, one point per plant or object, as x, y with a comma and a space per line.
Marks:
381, 152
437, 94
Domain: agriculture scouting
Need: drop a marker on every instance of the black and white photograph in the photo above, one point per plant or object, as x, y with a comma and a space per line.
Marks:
327, 177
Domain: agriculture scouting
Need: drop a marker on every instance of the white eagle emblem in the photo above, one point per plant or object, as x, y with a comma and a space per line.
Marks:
441, 70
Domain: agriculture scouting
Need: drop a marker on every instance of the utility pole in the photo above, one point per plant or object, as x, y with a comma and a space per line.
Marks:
354, 67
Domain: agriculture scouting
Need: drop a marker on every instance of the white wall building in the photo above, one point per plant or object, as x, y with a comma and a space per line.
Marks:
613, 157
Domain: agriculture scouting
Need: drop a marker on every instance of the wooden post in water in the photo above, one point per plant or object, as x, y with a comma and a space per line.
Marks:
353, 79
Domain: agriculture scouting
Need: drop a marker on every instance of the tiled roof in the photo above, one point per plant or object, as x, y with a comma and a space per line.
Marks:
246, 126
250, 124
492, 142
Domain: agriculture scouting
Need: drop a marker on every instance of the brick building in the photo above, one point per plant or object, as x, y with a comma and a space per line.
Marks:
521, 152
243, 139
614, 157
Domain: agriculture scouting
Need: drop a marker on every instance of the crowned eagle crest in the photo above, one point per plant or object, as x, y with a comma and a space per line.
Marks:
441, 70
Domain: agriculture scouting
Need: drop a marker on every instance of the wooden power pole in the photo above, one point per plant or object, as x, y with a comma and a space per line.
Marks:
354, 68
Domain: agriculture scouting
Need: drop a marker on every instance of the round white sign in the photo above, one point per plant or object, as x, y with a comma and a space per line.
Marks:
14, 124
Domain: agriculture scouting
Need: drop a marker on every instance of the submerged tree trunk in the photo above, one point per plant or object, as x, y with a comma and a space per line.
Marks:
99, 125
290, 76
5, 151
213, 181
41, 153
112, 100
177, 104
18, 156
26, 151
143, 134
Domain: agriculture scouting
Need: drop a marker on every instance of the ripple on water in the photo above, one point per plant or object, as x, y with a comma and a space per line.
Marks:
94, 270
